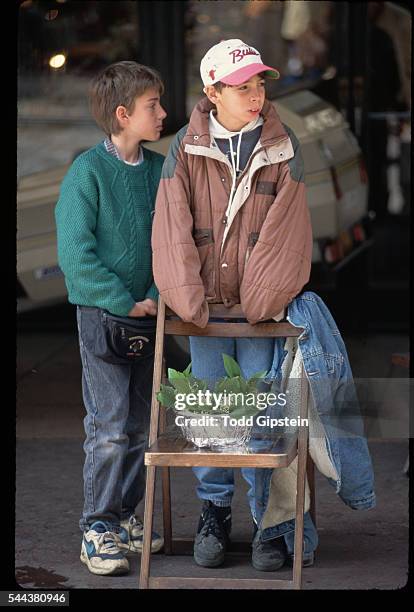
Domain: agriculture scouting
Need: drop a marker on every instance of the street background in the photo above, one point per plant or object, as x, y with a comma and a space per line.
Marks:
357, 56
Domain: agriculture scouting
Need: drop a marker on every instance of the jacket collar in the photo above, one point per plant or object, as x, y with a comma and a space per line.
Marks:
198, 132
219, 131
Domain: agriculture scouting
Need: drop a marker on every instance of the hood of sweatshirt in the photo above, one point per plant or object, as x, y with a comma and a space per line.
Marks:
218, 131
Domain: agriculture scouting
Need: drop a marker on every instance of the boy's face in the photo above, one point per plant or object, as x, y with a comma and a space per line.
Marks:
145, 121
237, 105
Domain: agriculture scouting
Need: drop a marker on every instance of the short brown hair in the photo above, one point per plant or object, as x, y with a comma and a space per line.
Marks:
219, 86
119, 85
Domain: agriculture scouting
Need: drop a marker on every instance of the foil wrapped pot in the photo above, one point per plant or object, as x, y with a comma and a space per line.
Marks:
218, 431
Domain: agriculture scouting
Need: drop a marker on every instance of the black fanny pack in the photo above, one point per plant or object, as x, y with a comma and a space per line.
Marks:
128, 339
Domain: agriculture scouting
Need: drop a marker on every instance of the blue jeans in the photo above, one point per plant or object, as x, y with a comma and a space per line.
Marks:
217, 484
117, 400
253, 355
310, 535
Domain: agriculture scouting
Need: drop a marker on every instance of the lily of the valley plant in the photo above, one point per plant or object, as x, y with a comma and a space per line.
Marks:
233, 387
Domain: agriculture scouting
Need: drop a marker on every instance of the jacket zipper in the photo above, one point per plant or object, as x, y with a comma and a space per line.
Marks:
249, 164
253, 155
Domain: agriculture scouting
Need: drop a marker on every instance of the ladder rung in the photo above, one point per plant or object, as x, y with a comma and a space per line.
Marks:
217, 583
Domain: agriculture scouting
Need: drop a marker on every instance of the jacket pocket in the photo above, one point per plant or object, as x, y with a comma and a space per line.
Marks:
203, 237
253, 238
266, 188
204, 242
325, 364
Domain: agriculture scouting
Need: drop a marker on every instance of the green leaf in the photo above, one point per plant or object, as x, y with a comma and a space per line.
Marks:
196, 384
179, 381
258, 376
231, 366
236, 385
175, 374
220, 385
182, 385
166, 396
187, 371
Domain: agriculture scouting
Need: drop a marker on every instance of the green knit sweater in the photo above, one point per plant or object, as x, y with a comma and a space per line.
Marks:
103, 219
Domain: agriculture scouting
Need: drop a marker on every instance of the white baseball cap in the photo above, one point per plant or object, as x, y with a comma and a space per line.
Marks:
233, 62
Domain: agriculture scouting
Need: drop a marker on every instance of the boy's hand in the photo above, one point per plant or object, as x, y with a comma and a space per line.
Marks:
144, 308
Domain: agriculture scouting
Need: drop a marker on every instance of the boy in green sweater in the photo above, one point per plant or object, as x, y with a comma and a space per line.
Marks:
104, 218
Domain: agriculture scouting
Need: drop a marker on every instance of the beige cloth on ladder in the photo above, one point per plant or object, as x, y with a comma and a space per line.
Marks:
281, 505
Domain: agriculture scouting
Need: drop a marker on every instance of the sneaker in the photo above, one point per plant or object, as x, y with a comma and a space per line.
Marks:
101, 552
132, 533
212, 536
270, 555
308, 559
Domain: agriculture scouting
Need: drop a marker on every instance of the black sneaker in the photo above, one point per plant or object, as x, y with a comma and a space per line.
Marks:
270, 555
308, 559
212, 536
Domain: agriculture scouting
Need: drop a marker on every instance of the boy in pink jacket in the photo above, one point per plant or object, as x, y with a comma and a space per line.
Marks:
232, 226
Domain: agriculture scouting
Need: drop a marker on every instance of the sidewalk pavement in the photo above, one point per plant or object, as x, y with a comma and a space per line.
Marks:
357, 550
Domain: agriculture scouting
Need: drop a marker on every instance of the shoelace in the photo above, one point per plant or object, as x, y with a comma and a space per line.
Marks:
134, 521
212, 525
107, 542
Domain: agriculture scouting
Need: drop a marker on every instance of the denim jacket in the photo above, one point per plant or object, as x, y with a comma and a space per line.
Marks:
332, 389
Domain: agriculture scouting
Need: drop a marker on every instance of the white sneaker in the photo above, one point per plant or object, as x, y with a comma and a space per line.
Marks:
131, 536
101, 551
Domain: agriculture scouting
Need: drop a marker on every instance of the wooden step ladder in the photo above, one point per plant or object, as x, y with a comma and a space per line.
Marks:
168, 450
